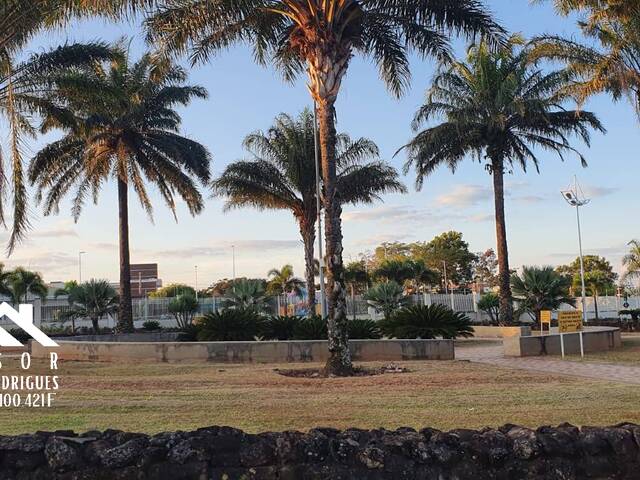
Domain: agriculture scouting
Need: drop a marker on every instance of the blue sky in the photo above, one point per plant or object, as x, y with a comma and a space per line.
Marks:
244, 97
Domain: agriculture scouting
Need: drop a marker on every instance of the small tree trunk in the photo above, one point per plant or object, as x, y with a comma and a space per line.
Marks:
506, 305
307, 230
595, 306
96, 326
125, 309
339, 362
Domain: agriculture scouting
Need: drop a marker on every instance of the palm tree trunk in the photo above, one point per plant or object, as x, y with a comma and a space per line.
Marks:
125, 310
506, 305
595, 305
96, 326
307, 230
339, 361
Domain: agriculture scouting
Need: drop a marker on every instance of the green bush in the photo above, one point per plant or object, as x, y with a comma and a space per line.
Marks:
311, 328
151, 325
229, 325
489, 303
364, 329
426, 322
279, 327
188, 333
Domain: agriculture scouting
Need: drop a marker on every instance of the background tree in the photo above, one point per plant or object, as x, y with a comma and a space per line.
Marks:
540, 288
451, 250
5, 286
322, 37
120, 122
386, 297
23, 282
281, 176
485, 269
173, 290
282, 281
496, 106
67, 291
489, 303
631, 261
94, 300
183, 307
356, 277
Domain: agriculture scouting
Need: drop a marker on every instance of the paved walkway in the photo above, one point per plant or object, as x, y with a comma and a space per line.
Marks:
492, 354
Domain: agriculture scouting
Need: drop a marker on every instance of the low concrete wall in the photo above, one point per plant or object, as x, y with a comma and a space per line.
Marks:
246, 352
595, 339
500, 332
124, 337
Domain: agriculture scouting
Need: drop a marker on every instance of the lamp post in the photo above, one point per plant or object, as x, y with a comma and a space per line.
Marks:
80, 253
575, 198
196, 269
323, 300
233, 264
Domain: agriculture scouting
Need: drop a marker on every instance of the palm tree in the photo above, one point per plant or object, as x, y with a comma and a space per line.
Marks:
67, 291
386, 298
612, 66
5, 277
93, 300
321, 36
283, 281
120, 122
23, 282
631, 261
247, 294
281, 176
495, 106
540, 288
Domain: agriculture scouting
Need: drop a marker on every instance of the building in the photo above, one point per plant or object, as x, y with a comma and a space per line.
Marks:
144, 279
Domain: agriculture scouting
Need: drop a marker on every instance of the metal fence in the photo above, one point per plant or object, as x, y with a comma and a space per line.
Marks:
47, 312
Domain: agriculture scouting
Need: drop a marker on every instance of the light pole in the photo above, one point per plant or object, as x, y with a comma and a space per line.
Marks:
196, 268
323, 300
444, 270
575, 198
80, 253
233, 264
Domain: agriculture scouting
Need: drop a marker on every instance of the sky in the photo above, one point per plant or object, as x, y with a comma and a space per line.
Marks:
244, 97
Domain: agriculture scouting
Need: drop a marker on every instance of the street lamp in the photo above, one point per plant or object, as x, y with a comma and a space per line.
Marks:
575, 197
80, 253
323, 300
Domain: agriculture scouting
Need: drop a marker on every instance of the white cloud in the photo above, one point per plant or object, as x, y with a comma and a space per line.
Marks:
593, 191
224, 248
465, 195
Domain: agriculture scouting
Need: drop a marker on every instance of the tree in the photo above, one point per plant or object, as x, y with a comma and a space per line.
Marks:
183, 307
540, 288
173, 290
22, 84
5, 285
67, 291
386, 298
447, 250
612, 66
631, 261
489, 303
356, 277
247, 294
496, 105
281, 176
282, 281
120, 122
23, 282
485, 269
323, 37
93, 300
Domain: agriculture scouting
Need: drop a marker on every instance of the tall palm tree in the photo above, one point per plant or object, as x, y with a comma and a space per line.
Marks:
609, 63
93, 300
631, 261
23, 282
283, 281
495, 106
67, 291
281, 176
120, 123
321, 36
541, 288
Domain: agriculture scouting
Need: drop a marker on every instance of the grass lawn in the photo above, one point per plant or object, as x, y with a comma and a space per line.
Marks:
152, 398
629, 354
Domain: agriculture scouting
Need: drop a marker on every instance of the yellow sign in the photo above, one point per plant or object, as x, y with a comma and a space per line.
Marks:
570, 321
545, 316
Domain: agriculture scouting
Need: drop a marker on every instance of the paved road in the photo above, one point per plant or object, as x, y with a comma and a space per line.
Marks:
491, 354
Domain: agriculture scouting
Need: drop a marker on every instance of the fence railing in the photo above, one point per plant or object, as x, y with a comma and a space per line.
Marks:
47, 312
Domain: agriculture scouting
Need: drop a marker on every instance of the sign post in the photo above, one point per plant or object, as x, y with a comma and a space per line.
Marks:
570, 322
545, 317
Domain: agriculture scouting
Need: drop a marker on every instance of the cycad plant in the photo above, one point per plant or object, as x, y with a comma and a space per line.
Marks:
94, 300
496, 107
120, 123
540, 288
386, 297
246, 294
320, 37
427, 322
282, 176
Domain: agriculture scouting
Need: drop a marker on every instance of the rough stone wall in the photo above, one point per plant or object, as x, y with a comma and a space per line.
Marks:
510, 452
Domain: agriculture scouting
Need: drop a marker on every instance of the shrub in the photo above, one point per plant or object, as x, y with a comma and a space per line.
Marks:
183, 308
431, 321
386, 298
363, 329
188, 334
151, 325
279, 327
490, 304
310, 328
229, 325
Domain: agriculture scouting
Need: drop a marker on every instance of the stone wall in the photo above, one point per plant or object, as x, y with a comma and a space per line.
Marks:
246, 352
510, 452
500, 332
